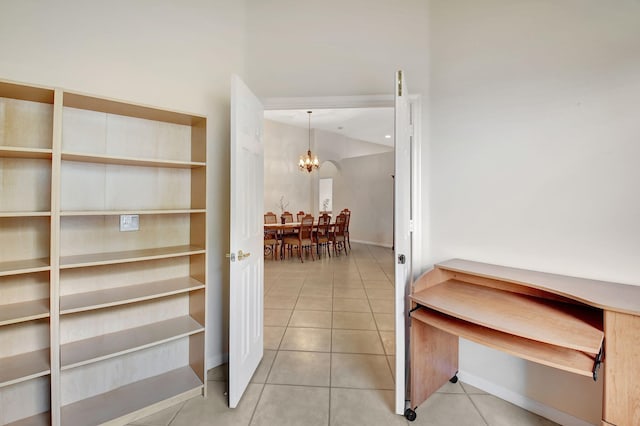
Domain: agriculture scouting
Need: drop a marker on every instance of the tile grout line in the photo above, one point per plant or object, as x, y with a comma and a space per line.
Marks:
178, 411
474, 405
378, 330
264, 385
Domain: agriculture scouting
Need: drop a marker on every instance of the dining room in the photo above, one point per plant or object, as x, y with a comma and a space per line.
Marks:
354, 150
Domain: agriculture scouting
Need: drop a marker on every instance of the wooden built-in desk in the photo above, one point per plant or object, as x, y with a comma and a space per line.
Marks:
568, 323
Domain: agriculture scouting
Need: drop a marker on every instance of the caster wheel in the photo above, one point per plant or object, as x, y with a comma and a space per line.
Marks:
410, 414
454, 379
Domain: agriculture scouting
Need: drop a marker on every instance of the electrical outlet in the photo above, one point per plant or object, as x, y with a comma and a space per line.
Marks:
129, 222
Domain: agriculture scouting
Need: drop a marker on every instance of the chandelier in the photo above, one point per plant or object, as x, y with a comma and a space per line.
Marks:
308, 161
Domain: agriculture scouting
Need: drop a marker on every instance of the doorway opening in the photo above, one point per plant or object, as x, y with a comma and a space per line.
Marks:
356, 149
369, 102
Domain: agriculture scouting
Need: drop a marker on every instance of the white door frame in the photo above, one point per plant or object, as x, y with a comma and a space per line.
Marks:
372, 101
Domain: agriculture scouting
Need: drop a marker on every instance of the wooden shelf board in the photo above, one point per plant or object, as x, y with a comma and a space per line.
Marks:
24, 266
110, 258
25, 311
80, 302
110, 345
26, 93
112, 106
130, 398
20, 152
555, 323
119, 212
26, 214
25, 366
601, 294
129, 161
553, 356
42, 419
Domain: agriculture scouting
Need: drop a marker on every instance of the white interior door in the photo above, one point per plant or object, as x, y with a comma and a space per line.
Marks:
402, 218
246, 275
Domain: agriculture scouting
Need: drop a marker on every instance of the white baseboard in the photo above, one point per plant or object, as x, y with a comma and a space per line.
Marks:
216, 360
522, 401
372, 243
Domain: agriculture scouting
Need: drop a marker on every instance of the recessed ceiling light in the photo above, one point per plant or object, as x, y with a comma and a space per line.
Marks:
387, 136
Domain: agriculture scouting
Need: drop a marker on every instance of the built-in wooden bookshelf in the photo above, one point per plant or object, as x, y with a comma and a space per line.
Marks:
26, 146
82, 304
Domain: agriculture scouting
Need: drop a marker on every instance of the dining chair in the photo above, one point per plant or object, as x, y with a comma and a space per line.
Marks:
347, 214
322, 234
270, 217
271, 235
270, 244
337, 236
288, 217
304, 239
300, 215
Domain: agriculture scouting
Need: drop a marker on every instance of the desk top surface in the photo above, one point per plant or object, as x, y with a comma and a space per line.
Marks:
601, 294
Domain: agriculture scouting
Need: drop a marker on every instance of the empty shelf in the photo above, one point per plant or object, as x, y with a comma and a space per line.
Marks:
555, 323
128, 294
110, 258
42, 419
24, 311
19, 152
119, 212
25, 214
24, 266
542, 353
131, 398
129, 161
25, 366
95, 349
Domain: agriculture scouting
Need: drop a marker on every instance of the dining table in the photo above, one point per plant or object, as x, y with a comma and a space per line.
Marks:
282, 228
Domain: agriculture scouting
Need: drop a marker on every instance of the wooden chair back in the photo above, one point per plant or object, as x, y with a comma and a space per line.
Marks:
300, 215
347, 214
270, 217
339, 228
288, 217
323, 225
306, 227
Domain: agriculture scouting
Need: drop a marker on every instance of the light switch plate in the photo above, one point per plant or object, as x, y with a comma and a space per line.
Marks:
129, 222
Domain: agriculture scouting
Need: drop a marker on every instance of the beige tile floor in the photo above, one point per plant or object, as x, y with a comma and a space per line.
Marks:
329, 355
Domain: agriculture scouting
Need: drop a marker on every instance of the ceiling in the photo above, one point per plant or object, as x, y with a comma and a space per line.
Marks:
366, 124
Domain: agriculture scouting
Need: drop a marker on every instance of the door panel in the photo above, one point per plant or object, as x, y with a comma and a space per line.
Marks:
402, 234
246, 271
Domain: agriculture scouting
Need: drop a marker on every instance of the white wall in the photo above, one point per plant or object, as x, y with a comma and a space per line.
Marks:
534, 142
335, 47
365, 186
283, 146
334, 146
177, 55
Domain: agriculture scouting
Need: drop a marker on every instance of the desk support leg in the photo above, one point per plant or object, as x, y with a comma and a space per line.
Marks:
621, 405
434, 360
